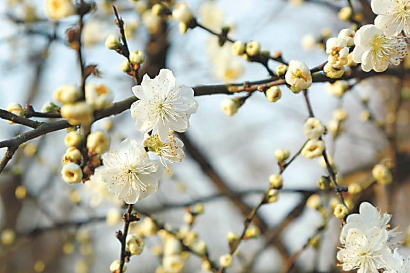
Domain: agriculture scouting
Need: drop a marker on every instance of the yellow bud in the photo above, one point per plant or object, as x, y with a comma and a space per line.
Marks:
340, 211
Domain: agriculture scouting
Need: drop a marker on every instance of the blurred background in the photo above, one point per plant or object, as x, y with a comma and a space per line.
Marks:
70, 228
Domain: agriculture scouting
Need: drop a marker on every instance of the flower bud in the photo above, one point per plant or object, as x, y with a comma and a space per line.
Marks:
50, 107
252, 232
182, 13
345, 13
71, 173
137, 57
232, 237
340, 114
313, 128
272, 196
72, 154
15, 109
67, 93
314, 202
58, 9
273, 93
281, 155
135, 244
275, 181
226, 260
78, 113
354, 188
313, 148
324, 183
382, 174
348, 35
172, 246
126, 66
252, 48
98, 96
281, 70
115, 266
112, 42
238, 48
200, 248
229, 107
340, 211
98, 142
332, 72
73, 139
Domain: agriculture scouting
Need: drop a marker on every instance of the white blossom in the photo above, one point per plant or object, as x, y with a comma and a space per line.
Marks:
365, 252
298, 76
170, 149
162, 106
367, 218
393, 16
337, 51
376, 51
129, 173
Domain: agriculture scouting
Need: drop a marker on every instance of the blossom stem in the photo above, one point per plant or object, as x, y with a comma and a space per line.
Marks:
122, 237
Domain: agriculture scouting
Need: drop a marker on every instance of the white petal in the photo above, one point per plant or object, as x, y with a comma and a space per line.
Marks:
388, 24
165, 82
163, 131
382, 6
132, 197
139, 92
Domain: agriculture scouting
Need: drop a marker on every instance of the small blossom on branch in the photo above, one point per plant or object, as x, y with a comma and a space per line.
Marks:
298, 76
129, 173
313, 128
162, 106
170, 149
376, 51
313, 148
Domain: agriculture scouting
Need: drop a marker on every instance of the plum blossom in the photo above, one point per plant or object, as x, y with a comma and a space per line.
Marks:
365, 252
393, 16
367, 218
376, 51
298, 76
170, 149
162, 106
129, 173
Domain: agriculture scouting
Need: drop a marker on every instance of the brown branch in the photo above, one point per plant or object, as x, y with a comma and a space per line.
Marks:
128, 217
19, 120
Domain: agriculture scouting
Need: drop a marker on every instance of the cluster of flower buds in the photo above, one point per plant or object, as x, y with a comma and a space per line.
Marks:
337, 49
313, 130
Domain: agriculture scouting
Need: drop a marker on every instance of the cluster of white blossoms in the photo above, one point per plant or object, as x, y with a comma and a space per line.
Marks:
367, 243
161, 108
381, 44
337, 49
